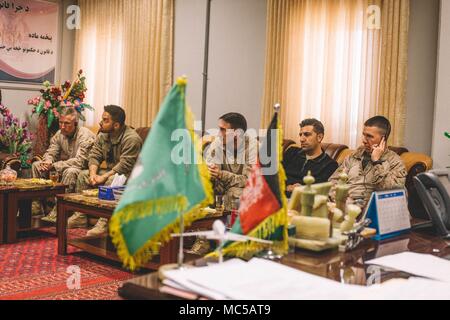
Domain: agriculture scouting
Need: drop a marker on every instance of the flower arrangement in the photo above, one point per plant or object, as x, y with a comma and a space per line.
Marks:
15, 138
54, 98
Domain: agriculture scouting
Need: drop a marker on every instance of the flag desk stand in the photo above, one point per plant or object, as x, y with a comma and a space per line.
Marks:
389, 213
102, 246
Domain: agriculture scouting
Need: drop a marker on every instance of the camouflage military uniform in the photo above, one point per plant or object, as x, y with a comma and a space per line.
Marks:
390, 174
235, 170
68, 155
120, 155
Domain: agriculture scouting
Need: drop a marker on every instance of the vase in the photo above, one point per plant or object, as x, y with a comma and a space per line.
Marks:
8, 176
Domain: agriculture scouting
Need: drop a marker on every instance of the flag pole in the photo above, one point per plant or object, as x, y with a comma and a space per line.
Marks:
269, 253
180, 251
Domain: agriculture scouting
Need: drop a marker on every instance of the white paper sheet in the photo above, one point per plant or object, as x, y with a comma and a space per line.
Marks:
409, 289
424, 265
261, 279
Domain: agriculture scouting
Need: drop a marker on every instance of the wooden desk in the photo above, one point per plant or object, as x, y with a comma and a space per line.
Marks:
19, 196
102, 246
349, 267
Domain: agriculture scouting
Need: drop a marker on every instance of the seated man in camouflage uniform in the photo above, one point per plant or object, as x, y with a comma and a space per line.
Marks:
229, 158
67, 154
119, 146
372, 167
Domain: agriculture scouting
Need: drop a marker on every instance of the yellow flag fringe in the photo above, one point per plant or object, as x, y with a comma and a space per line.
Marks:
177, 203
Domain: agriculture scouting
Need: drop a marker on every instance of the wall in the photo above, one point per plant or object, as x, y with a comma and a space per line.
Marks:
236, 66
236, 57
422, 56
440, 144
15, 96
188, 46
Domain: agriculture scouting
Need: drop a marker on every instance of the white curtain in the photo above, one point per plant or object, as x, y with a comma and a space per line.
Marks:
125, 48
99, 52
322, 62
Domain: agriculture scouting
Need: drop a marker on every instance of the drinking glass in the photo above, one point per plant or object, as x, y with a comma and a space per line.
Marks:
54, 176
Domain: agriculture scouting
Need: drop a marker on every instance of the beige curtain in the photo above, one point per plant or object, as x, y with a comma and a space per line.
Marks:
125, 48
323, 61
394, 66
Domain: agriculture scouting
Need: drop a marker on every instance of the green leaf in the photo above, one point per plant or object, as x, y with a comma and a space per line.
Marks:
82, 118
40, 107
447, 135
50, 118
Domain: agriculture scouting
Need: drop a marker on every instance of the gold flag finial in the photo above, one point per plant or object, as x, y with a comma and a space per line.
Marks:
182, 81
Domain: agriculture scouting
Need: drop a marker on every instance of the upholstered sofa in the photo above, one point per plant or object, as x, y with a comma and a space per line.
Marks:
415, 163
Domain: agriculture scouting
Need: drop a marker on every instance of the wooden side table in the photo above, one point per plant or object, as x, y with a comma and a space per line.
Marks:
102, 246
20, 198
2, 217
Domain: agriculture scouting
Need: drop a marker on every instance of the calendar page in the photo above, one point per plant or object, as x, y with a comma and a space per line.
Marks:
393, 214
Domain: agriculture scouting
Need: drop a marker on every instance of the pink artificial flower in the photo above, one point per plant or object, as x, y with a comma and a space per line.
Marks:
47, 104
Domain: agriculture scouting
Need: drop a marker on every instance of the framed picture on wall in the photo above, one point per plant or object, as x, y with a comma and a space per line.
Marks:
29, 41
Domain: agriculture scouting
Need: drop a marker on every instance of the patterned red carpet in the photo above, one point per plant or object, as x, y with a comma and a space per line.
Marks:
32, 269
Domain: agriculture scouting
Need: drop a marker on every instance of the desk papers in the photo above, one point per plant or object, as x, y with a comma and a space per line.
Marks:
424, 265
261, 279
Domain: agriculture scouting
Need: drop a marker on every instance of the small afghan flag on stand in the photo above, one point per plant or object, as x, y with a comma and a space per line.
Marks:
168, 180
263, 204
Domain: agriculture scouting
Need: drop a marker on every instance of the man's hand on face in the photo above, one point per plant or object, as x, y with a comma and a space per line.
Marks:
214, 171
290, 188
378, 150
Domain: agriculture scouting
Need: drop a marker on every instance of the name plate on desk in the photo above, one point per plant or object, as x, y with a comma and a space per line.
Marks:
389, 213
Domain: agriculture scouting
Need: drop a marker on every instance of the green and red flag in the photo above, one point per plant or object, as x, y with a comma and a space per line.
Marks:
263, 204
168, 180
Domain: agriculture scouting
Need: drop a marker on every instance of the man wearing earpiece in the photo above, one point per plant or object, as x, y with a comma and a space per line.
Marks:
372, 167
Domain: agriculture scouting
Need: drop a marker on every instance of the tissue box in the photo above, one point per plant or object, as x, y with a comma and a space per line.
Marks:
106, 192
